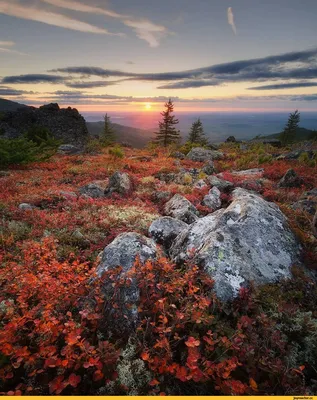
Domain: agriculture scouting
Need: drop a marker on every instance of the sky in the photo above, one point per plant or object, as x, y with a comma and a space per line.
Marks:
132, 55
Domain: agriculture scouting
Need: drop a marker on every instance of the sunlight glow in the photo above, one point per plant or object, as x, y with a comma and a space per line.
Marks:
148, 106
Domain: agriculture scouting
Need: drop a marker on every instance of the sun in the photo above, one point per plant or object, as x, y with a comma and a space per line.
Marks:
148, 106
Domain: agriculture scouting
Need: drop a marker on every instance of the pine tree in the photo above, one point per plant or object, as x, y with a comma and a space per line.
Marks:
197, 134
289, 132
167, 133
108, 136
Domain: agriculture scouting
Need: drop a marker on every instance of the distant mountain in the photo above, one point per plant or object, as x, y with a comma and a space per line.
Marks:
8, 105
136, 137
301, 134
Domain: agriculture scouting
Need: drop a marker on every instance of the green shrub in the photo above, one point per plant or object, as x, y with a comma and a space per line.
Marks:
306, 160
116, 152
93, 146
188, 146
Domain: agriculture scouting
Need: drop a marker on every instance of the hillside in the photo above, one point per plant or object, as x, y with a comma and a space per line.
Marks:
138, 138
78, 316
8, 105
301, 134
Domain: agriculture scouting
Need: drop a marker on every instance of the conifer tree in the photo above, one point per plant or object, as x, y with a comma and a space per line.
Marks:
108, 136
289, 132
167, 133
197, 134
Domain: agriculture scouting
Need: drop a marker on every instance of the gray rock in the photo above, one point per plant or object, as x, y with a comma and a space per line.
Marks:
165, 229
231, 139
249, 172
161, 196
166, 177
290, 179
180, 208
307, 202
203, 155
122, 252
294, 155
248, 241
201, 184
221, 184
4, 174
25, 207
120, 183
92, 190
209, 168
68, 149
212, 199
178, 155
68, 195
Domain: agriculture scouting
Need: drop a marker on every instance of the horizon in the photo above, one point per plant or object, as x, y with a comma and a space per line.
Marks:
106, 56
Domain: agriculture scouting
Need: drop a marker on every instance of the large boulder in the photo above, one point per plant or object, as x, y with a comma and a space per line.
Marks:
120, 183
221, 184
203, 155
181, 208
165, 229
212, 199
290, 180
248, 241
123, 252
68, 149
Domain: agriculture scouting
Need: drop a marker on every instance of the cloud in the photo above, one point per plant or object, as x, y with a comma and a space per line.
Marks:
15, 9
231, 20
6, 43
144, 29
33, 78
7, 91
287, 66
284, 86
90, 85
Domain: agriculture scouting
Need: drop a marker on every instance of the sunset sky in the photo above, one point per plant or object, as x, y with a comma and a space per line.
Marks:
132, 55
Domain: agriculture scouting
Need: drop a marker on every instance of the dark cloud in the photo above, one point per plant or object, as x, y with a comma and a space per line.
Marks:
293, 65
90, 85
6, 91
284, 86
33, 78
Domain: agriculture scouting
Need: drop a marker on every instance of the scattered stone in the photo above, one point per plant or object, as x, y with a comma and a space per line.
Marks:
307, 202
120, 183
92, 190
160, 196
178, 155
248, 241
166, 177
221, 184
294, 155
4, 174
68, 149
201, 184
165, 229
290, 179
180, 208
212, 199
68, 195
248, 172
25, 207
209, 168
203, 155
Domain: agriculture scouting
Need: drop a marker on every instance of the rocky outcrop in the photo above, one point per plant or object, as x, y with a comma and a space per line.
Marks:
165, 229
203, 155
248, 241
65, 124
180, 208
120, 183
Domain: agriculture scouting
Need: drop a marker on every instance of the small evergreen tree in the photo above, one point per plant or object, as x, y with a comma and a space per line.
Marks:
167, 133
108, 136
289, 132
197, 134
